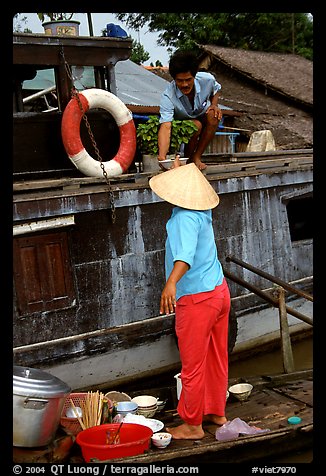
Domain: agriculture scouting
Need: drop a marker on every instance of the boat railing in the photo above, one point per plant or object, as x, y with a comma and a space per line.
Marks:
277, 299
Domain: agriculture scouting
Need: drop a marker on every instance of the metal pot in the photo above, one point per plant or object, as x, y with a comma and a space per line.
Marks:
38, 398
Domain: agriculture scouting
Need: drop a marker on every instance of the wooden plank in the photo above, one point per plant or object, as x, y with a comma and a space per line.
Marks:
248, 156
302, 390
287, 354
261, 165
222, 168
74, 182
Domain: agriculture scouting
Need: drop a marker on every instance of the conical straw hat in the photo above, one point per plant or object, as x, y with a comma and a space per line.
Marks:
186, 187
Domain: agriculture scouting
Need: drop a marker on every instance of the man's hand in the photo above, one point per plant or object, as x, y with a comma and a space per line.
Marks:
161, 165
216, 110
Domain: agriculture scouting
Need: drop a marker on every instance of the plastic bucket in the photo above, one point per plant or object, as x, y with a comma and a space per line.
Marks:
133, 440
179, 384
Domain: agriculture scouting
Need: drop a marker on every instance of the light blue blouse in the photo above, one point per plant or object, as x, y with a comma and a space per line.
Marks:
190, 238
175, 105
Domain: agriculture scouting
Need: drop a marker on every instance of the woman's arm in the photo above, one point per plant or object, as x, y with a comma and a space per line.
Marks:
168, 295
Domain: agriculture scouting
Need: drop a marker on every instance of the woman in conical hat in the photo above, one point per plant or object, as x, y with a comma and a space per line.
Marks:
197, 292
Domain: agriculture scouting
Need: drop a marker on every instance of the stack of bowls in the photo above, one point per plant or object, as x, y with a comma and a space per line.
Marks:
147, 405
123, 408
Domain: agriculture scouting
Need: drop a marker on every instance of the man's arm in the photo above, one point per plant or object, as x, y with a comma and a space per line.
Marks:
214, 106
164, 136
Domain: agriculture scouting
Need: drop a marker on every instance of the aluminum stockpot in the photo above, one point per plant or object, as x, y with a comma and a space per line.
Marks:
38, 399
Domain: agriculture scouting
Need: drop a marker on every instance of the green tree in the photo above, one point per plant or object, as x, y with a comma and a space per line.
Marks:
138, 53
18, 19
275, 32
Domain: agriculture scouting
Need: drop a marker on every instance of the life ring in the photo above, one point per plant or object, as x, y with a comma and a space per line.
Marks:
70, 132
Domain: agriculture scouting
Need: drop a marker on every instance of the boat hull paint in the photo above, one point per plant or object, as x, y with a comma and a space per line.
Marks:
120, 367
112, 365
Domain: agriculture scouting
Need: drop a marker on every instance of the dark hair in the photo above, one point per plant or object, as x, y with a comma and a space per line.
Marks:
183, 61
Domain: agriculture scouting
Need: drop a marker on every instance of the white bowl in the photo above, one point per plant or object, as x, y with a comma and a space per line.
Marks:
169, 162
145, 401
161, 404
161, 439
241, 391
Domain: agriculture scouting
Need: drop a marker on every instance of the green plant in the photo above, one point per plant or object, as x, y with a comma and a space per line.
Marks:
147, 135
55, 16
181, 134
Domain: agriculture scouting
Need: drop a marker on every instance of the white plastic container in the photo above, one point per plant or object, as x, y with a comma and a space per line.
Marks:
179, 384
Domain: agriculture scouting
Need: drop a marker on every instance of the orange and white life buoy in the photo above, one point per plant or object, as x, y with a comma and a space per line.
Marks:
70, 131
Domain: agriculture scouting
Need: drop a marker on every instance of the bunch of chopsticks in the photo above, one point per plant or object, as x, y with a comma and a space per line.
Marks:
92, 409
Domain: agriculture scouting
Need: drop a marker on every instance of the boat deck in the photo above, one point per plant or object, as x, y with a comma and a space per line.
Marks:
273, 400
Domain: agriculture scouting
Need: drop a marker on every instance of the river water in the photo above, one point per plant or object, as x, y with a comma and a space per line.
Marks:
271, 363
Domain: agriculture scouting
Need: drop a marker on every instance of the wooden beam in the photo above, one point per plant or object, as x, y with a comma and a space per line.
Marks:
287, 354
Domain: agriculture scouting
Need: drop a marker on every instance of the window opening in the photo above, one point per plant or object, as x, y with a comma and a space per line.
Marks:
300, 216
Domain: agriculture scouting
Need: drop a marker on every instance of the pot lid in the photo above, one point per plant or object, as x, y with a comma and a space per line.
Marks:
37, 383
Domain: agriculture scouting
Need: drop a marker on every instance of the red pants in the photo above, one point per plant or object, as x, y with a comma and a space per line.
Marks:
202, 328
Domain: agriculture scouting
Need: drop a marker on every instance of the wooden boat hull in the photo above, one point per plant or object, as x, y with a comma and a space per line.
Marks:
114, 333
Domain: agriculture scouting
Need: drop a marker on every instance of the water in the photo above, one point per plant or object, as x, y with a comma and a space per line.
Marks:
271, 362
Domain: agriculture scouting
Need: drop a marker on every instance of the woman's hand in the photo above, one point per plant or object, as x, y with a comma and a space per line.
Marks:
168, 301
176, 162
168, 296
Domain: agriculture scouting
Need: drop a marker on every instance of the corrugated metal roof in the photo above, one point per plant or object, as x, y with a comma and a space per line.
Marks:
136, 85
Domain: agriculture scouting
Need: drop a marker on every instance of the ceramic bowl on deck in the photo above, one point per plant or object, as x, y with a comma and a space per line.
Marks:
123, 408
161, 405
161, 439
147, 413
147, 405
145, 401
241, 391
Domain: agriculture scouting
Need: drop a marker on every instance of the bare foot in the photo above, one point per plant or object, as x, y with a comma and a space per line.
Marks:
186, 432
218, 420
200, 164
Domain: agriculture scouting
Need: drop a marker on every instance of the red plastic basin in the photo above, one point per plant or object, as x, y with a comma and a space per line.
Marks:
134, 440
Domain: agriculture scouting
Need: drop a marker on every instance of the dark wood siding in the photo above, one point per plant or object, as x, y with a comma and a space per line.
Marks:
42, 273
